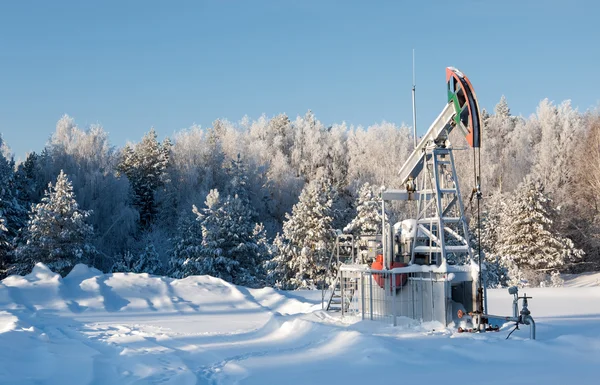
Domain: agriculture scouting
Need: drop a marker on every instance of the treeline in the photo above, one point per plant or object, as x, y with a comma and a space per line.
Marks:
256, 202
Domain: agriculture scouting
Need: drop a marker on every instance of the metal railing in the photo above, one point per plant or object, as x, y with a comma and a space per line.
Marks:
387, 295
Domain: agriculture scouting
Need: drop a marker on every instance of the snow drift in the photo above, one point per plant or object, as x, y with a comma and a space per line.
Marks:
94, 328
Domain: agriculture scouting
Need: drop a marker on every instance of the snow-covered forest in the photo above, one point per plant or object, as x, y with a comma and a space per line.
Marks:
257, 202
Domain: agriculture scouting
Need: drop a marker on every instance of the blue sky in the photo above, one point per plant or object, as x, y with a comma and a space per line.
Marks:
131, 65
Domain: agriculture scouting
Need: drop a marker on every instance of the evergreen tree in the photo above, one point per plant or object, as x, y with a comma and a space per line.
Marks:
368, 213
238, 183
124, 263
167, 197
303, 248
146, 262
213, 260
144, 165
4, 247
56, 233
528, 241
214, 157
186, 252
13, 215
231, 246
149, 261
26, 180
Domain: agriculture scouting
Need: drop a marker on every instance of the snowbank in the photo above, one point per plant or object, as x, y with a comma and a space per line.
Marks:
94, 328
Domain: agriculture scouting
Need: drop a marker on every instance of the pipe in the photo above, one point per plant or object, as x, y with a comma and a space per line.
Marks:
503, 317
485, 302
528, 320
523, 319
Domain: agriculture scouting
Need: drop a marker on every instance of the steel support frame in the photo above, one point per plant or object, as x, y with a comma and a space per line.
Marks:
436, 218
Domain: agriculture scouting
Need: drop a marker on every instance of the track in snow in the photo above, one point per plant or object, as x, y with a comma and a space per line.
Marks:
91, 328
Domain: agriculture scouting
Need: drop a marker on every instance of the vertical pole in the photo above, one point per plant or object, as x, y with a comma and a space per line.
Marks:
440, 210
401, 298
390, 240
414, 103
362, 294
413, 286
414, 106
432, 301
341, 291
371, 295
394, 298
383, 235
422, 299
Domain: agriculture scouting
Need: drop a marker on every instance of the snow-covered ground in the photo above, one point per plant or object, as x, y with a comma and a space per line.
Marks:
92, 328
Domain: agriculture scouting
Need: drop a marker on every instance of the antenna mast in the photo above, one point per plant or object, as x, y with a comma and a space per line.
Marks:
414, 102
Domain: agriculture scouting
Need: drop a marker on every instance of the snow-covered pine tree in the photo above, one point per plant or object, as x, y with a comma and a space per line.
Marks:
124, 263
57, 233
198, 255
27, 179
303, 248
167, 198
144, 165
13, 215
147, 261
528, 242
186, 255
11, 208
224, 243
230, 240
213, 260
368, 213
214, 157
238, 183
248, 246
186, 248
4, 247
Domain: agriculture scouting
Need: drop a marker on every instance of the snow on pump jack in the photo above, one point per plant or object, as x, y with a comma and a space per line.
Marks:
423, 268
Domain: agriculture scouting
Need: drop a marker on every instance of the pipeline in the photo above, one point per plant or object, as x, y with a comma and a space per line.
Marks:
523, 317
519, 318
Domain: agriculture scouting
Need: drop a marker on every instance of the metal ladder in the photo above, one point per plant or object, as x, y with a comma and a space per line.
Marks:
334, 296
331, 296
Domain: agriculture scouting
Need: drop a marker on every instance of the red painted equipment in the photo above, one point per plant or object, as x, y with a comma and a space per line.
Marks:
401, 279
